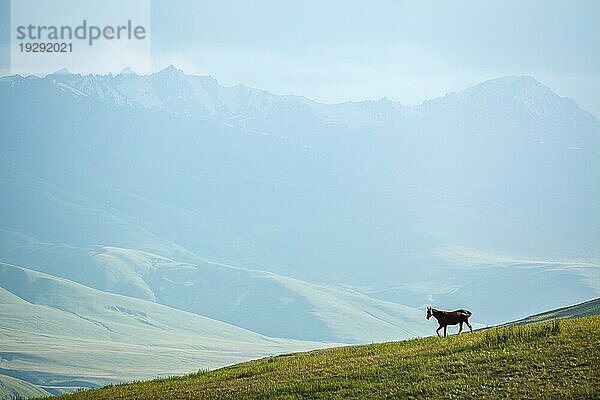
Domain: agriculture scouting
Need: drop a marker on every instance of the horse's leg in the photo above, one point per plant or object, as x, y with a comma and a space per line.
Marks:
445, 326
469, 325
437, 331
460, 328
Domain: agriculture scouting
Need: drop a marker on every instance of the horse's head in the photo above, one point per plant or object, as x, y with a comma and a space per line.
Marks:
429, 312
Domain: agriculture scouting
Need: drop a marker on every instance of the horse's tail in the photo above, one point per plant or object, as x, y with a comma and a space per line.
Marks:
466, 313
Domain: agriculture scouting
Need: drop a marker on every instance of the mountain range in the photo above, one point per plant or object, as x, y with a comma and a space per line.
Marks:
154, 200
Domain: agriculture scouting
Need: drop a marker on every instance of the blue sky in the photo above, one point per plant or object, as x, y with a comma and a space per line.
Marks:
407, 51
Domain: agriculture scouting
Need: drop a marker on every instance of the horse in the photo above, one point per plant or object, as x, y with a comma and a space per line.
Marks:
445, 318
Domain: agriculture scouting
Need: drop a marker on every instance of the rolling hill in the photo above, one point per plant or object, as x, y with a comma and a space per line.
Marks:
548, 360
266, 303
58, 335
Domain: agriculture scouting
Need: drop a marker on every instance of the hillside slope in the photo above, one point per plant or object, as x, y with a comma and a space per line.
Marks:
548, 360
591, 307
13, 388
58, 336
259, 301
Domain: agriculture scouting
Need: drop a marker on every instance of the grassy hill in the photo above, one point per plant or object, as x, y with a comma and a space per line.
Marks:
553, 359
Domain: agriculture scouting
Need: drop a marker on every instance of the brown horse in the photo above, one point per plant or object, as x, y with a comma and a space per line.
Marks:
445, 318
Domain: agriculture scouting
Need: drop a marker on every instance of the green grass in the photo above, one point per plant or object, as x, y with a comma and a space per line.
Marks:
557, 359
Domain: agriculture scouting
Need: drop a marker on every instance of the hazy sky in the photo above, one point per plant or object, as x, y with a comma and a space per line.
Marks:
405, 50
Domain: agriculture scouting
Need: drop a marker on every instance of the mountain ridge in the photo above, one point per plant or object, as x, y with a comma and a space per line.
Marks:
210, 95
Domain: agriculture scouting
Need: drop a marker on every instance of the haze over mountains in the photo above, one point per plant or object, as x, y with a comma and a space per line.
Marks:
285, 217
